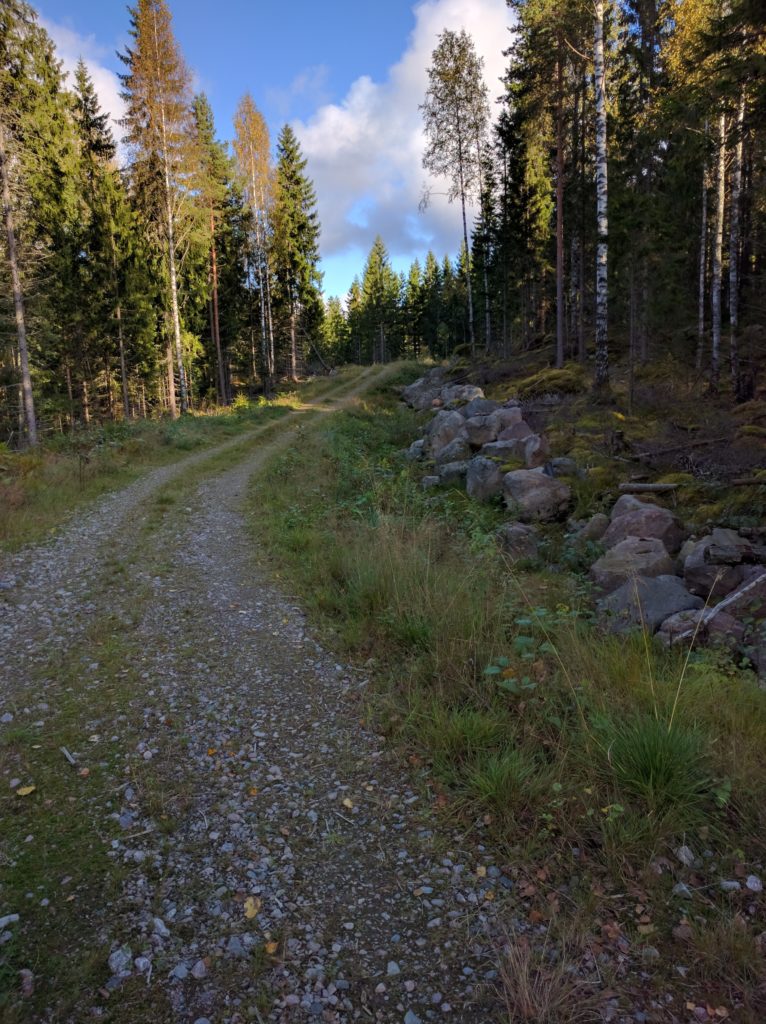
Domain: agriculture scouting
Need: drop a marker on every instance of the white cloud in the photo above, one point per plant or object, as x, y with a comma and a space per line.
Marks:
70, 46
310, 83
364, 153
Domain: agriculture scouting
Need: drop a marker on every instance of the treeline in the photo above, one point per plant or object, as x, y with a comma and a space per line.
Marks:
183, 275
621, 190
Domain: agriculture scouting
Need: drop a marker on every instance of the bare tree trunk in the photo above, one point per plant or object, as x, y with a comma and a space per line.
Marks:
18, 298
171, 384
601, 379
734, 215
715, 282
469, 288
293, 344
174, 310
702, 266
85, 403
559, 209
215, 323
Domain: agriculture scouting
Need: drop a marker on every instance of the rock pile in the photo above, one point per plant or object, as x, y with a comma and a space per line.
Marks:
652, 575
489, 445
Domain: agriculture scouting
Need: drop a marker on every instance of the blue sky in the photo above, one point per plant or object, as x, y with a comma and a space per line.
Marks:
348, 76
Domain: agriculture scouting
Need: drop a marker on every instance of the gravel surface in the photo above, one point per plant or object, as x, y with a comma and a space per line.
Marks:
281, 865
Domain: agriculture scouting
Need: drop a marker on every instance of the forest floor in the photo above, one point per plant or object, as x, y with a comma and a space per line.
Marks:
197, 825
202, 818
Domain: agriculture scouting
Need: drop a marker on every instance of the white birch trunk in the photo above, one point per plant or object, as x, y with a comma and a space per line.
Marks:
715, 277
18, 298
734, 215
602, 224
702, 266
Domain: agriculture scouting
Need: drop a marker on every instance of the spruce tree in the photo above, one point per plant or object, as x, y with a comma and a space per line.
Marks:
296, 242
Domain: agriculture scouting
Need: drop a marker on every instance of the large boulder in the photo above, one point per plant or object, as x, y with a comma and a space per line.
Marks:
518, 541
443, 428
715, 566
479, 430
748, 601
505, 417
647, 521
535, 496
479, 407
484, 479
683, 627
645, 603
519, 431
457, 450
634, 556
459, 394
452, 472
503, 450
626, 503
422, 392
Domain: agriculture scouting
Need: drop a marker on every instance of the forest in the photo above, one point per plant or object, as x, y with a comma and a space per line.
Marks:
613, 201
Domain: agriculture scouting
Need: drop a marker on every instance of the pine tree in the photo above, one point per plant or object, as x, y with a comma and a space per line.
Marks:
296, 241
159, 132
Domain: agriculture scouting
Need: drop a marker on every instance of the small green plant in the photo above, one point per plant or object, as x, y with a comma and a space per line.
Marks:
508, 781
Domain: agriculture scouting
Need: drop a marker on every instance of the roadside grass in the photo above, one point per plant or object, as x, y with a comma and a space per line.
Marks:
596, 756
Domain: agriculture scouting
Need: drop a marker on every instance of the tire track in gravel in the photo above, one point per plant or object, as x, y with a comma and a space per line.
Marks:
50, 592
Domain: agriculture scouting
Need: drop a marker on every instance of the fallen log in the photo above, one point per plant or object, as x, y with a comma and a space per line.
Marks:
647, 488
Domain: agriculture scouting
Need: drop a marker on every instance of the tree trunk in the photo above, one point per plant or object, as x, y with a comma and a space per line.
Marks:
734, 215
715, 277
293, 345
85, 403
601, 379
471, 335
171, 382
175, 312
702, 266
559, 208
216, 327
18, 298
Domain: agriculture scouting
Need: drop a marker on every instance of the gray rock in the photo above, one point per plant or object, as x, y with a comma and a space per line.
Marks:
634, 556
645, 602
443, 428
564, 466
516, 432
626, 503
453, 394
453, 472
422, 392
594, 529
518, 541
121, 961
411, 1018
536, 451
679, 627
535, 496
180, 971
393, 968
682, 889
484, 479
456, 451
503, 450
6, 718
649, 521
732, 885
479, 407
160, 928
10, 919
234, 946
714, 567
686, 856
504, 417
429, 481
753, 883
479, 430
199, 970
416, 450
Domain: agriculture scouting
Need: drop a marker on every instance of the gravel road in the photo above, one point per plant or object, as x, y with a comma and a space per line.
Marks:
277, 863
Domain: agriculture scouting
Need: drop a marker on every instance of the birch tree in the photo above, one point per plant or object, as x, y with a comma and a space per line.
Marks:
734, 230
717, 254
455, 118
252, 150
159, 133
601, 379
